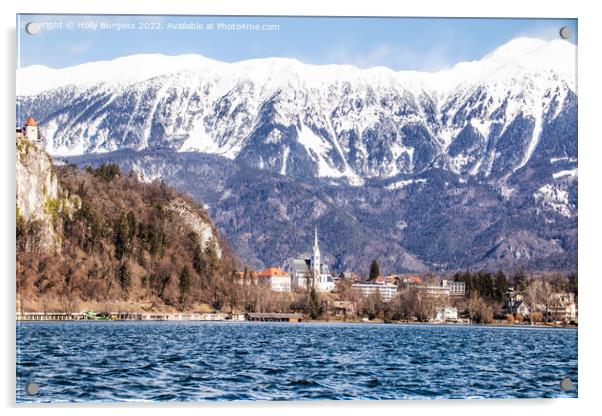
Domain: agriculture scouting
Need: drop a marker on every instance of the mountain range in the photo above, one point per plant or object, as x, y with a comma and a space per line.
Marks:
473, 166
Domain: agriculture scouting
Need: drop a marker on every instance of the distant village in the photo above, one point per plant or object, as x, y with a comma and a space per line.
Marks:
447, 299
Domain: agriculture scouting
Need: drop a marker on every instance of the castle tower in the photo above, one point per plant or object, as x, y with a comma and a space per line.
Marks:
315, 258
31, 130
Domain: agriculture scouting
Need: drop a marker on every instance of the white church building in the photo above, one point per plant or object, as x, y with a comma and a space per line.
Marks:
301, 270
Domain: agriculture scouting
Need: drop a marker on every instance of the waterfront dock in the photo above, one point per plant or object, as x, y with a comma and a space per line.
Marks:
127, 316
274, 317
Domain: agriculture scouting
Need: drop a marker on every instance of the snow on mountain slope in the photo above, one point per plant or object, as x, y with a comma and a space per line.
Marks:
519, 56
486, 117
35, 79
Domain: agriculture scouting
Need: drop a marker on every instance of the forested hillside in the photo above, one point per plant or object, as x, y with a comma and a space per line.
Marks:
113, 239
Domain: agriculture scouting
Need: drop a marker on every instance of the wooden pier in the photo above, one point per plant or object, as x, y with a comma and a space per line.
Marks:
274, 317
50, 316
127, 316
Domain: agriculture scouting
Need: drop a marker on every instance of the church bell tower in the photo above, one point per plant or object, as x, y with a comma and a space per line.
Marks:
315, 258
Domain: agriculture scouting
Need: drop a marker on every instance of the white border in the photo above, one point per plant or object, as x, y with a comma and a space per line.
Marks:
590, 153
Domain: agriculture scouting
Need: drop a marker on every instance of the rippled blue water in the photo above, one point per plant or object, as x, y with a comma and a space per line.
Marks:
184, 361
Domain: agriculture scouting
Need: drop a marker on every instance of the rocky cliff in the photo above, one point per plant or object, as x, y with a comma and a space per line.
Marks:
41, 201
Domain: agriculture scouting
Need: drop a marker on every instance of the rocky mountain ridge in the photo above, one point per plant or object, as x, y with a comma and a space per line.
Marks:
474, 166
484, 118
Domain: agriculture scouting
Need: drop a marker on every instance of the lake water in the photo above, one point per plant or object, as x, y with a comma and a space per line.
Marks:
187, 361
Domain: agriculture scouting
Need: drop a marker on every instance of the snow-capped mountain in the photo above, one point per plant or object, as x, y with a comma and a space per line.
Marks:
482, 117
473, 165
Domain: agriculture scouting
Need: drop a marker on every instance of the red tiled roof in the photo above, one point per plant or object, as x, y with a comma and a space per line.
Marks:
31, 122
272, 271
415, 279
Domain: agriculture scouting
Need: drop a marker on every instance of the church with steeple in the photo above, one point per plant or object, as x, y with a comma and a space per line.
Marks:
302, 269
315, 256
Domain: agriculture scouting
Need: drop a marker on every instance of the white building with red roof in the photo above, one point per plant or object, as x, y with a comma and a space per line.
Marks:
278, 279
31, 130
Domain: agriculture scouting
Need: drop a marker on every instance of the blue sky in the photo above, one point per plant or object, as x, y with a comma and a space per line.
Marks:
399, 43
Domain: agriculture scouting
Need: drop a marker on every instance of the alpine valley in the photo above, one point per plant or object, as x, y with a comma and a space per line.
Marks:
473, 166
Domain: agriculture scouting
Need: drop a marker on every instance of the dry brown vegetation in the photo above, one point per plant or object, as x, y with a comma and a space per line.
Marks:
124, 246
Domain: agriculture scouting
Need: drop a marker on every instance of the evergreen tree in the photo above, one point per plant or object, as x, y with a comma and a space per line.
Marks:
124, 275
132, 226
485, 284
107, 172
374, 270
573, 286
184, 285
122, 236
500, 284
520, 281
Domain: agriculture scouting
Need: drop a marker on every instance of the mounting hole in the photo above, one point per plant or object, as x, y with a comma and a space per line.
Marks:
32, 28
565, 32
32, 389
566, 384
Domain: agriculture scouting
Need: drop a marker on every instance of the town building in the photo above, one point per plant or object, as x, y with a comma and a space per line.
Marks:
516, 304
350, 276
411, 281
455, 288
516, 307
302, 270
278, 279
446, 314
379, 280
514, 294
435, 290
323, 281
387, 291
444, 288
563, 307
299, 271
342, 308
392, 279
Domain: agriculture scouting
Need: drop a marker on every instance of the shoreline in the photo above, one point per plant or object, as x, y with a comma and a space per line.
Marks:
311, 322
